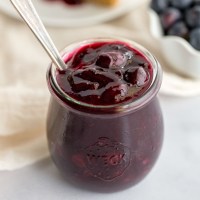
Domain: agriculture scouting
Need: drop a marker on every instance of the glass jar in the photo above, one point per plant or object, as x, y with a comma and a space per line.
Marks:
105, 148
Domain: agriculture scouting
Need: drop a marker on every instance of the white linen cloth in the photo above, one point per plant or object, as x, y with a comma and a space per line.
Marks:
24, 94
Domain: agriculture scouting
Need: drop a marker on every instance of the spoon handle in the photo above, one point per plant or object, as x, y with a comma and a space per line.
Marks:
27, 11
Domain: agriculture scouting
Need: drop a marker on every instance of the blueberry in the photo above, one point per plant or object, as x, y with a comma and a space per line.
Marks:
136, 76
112, 60
103, 61
179, 29
181, 4
193, 17
196, 2
169, 17
159, 5
195, 38
115, 93
119, 60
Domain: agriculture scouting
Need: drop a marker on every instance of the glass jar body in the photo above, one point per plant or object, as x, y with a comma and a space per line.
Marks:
105, 152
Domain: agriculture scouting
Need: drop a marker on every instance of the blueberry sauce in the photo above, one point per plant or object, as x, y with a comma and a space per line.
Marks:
105, 74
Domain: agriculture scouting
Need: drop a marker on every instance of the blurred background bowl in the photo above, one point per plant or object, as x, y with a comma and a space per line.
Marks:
176, 50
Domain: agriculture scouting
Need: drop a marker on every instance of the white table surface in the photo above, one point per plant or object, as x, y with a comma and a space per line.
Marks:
176, 175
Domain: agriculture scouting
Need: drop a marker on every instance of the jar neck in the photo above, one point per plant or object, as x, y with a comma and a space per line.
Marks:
121, 108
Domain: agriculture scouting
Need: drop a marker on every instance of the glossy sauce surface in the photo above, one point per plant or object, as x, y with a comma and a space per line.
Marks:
105, 73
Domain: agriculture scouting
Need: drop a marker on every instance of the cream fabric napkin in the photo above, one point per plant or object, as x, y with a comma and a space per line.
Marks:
24, 95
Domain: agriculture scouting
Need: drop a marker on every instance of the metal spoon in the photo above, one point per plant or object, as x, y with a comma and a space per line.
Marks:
27, 11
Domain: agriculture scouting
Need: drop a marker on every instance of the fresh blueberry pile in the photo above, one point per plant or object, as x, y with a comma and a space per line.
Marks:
180, 18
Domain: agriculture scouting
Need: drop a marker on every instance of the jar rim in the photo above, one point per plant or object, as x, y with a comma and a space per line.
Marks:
126, 106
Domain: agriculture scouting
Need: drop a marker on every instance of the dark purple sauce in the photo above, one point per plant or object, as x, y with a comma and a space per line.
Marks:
105, 74
105, 154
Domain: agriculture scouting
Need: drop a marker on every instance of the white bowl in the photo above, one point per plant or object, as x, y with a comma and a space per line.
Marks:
176, 50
